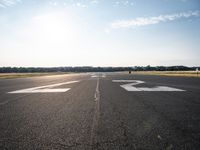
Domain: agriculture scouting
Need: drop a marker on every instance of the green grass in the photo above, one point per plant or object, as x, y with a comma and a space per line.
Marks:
24, 75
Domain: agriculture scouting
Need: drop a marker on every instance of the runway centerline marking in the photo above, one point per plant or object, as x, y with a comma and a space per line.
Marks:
130, 86
98, 75
45, 89
93, 136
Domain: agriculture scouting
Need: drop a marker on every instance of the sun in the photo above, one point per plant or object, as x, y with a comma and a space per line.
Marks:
53, 27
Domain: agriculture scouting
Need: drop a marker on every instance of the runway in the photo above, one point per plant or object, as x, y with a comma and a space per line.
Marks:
100, 111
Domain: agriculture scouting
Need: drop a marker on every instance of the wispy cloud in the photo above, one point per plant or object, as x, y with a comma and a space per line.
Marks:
78, 4
144, 21
6, 3
123, 3
177, 0
75, 3
94, 1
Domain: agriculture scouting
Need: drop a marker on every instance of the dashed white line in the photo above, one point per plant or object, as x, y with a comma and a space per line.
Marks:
98, 75
93, 138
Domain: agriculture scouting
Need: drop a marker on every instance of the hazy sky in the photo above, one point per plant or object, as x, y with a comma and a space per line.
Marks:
99, 32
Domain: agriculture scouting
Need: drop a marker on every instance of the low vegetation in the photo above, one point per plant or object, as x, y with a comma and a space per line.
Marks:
16, 72
23, 75
169, 73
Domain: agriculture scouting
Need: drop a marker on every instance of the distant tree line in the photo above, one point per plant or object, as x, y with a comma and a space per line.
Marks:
164, 68
93, 69
62, 69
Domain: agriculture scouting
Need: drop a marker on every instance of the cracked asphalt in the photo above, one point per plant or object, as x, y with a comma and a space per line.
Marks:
99, 114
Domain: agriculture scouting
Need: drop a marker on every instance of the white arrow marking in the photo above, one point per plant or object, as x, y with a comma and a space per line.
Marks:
131, 86
45, 89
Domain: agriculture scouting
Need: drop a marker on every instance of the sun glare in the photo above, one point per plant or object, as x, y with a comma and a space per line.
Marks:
53, 27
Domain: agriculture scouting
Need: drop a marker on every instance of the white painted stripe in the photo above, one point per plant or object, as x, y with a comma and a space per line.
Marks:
94, 76
95, 122
103, 76
41, 91
131, 86
138, 81
98, 76
45, 89
161, 88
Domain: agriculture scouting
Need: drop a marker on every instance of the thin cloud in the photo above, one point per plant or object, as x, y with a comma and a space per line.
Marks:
123, 3
94, 2
144, 21
80, 5
7, 3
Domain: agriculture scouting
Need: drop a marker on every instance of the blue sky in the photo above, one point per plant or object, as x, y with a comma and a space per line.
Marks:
99, 32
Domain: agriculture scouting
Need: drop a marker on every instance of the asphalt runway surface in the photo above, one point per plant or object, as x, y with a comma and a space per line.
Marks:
101, 111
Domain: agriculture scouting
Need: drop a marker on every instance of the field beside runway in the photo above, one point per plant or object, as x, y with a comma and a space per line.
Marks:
169, 73
23, 75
